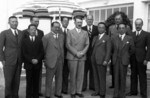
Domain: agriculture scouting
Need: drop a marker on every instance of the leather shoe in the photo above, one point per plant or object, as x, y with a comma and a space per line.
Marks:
131, 94
84, 89
73, 95
40, 94
59, 96
102, 96
80, 95
111, 86
64, 92
95, 94
47, 97
92, 89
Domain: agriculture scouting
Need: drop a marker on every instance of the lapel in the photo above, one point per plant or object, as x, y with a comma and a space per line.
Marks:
19, 36
53, 40
78, 36
100, 41
140, 36
125, 40
12, 36
117, 42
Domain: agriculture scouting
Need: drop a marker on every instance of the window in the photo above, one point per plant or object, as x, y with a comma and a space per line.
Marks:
148, 25
103, 11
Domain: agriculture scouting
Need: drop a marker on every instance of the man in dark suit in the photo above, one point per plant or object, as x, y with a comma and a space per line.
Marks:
100, 57
65, 23
139, 60
32, 53
39, 33
123, 47
53, 44
10, 56
92, 31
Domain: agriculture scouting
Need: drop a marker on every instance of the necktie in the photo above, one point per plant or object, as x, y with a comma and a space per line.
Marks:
64, 31
16, 35
137, 33
90, 31
120, 37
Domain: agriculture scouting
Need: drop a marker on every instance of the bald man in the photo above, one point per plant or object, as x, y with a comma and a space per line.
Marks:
139, 60
92, 31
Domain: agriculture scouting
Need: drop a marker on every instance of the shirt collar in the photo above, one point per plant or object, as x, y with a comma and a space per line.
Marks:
78, 30
13, 30
90, 27
64, 29
139, 32
122, 36
101, 35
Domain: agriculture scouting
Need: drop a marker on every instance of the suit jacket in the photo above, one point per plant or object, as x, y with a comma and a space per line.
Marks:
93, 33
141, 43
53, 48
32, 50
101, 49
10, 47
113, 30
77, 42
40, 33
122, 49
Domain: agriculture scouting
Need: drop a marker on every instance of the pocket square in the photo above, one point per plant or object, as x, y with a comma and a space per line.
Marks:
103, 41
127, 42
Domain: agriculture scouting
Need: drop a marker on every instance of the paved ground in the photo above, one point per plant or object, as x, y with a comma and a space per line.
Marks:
87, 93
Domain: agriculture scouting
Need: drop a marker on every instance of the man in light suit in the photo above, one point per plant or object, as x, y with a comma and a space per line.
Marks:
100, 57
32, 53
39, 34
77, 45
53, 44
10, 56
92, 31
123, 48
139, 60
65, 23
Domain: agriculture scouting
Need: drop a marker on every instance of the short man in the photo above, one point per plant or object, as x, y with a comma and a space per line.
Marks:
10, 56
123, 47
53, 44
92, 31
139, 60
32, 53
39, 33
65, 22
77, 45
100, 57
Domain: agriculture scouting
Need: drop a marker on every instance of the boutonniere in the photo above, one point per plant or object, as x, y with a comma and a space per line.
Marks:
127, 42
54, 36
103, 41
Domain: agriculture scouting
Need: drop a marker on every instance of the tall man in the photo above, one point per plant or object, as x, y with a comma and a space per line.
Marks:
10, 56
100, 57
92, 31
77, 45
53, 44
139, 60
32, 53
39, 33
123, 47
65, 22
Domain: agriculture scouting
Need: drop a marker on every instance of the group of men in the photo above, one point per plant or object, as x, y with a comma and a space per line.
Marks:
72, 54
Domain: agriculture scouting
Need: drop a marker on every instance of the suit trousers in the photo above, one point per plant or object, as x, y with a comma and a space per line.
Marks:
40, 80
138, 72
76, 68
100, 78
88, 68
50, 73
32, 77
12, 80
65, 76
120, 72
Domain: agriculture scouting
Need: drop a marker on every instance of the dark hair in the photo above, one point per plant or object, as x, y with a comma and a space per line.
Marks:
12, 17
52, 24
121, 24
103, 24
62, 18
139, 19
31, 18
111, 19
32, 25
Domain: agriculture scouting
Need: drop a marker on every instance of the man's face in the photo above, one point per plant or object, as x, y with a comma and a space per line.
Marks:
56, 28
35, 21
122, 29
118, 19
89, 20
13, 22
65, 22
101, 28
138, 25
78, 23
32, 30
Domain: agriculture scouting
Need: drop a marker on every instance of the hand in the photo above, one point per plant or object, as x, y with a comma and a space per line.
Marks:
104, 63
145, 62
34, 61
79, 54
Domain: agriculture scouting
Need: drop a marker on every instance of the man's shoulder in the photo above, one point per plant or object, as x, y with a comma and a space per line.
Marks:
40, 31
4, 31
